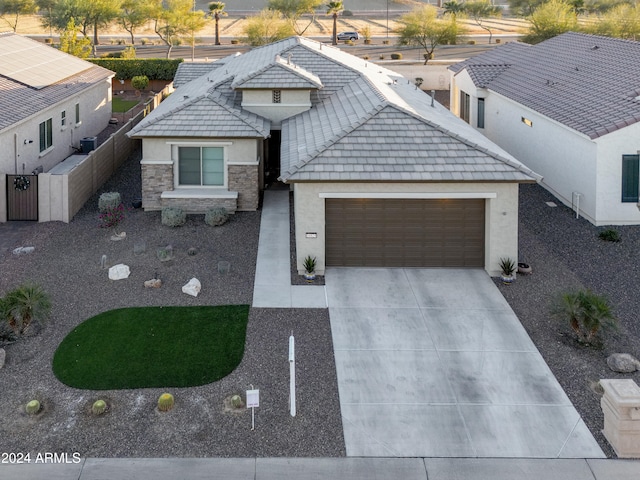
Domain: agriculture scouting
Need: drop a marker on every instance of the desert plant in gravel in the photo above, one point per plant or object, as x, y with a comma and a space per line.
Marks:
609, 235
173, 217
99, 407
32, 407
216, 216
587, 314
112, 216
108, 200
20, 306
236, 401
165, 402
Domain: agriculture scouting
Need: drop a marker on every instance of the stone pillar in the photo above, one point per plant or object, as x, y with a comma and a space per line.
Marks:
621, 407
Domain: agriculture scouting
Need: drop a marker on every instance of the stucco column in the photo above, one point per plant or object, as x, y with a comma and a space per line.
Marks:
621, 407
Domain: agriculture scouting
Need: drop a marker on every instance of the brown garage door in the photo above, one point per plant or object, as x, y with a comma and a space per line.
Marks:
405, 233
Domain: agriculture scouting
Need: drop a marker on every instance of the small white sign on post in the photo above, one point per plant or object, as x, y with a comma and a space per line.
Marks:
292, 376
253, 401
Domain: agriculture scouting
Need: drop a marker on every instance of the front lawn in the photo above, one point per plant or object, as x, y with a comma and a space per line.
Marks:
119, 105
153, 347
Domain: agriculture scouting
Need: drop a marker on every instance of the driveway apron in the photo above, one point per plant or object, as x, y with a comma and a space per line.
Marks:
434, 363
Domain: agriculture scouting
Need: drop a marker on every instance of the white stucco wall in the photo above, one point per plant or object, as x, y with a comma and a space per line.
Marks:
462, 82
95, 112
501, 216
292, 102
239, 150
610, 208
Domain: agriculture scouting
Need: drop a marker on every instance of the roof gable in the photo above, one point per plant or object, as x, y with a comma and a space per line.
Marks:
279, 75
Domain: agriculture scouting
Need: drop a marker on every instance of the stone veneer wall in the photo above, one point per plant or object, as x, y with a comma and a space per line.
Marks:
155, 180
245, 180
200, 205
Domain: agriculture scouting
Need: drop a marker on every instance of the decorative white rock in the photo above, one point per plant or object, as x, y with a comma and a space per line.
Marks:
118, 272
153, 283
192, 287
23, 250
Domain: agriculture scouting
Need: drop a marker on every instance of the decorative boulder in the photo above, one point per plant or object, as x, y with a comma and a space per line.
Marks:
153, 283
623, 363
192, 287
3, 356
118, 272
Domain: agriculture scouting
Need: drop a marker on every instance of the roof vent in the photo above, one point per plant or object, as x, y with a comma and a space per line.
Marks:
185, 97
595, 47
289, 59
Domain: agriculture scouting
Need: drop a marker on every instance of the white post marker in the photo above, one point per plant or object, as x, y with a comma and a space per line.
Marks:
253, 401
292, 376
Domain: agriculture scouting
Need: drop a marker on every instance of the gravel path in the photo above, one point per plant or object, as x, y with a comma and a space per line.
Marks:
66, 263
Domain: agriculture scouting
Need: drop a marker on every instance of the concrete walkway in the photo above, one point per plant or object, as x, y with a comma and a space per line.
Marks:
434, 363
325, 468
272, 287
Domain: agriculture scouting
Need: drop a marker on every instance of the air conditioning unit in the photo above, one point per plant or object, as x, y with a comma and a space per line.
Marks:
88, 144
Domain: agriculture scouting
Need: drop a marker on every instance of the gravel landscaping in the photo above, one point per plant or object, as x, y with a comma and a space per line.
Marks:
564, 252
67, 263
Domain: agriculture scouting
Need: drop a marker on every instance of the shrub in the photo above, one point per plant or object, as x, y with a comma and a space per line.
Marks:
609, 235
129, 52
140, 82
365, 57
173, 217
381, 57
586, 313
144, 41
152, 68
471, 42
235, 41
99, 407
396, 56
347, 13
108, 201
112, 217
32, 407
165, 402
216, 216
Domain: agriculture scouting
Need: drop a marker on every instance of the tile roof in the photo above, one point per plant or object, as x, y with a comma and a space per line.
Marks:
18, 101
188, 71
586, 82
280, 74
367, 123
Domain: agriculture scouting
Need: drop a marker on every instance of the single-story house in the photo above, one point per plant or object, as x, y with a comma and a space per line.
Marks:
569, 109
49, 101
382, 175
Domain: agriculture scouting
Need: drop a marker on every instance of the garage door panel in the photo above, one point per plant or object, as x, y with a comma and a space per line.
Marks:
405, 232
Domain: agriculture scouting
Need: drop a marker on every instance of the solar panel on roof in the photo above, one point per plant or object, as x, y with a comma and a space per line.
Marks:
34, 64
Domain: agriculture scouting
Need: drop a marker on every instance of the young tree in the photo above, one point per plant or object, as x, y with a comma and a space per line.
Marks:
133, 15
266, 27
174, 18
423, 28
10, 11
523, 8
216, 9
22, 305
334, 9
551, 19
45, 7
58, 17
622, 21
479, 11
99, 13
293, 10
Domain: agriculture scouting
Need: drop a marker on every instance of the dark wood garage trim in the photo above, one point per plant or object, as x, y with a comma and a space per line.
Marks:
374, 232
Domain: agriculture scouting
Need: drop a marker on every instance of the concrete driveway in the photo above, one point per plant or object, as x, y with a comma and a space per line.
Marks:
434, 363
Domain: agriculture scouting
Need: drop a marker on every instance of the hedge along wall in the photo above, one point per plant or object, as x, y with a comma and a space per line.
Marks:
152, 68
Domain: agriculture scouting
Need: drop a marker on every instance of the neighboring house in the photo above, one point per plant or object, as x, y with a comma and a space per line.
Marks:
49, 101
569, 109
381, 174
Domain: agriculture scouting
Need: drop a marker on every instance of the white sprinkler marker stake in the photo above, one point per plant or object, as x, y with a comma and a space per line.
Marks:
292, 376
253, 401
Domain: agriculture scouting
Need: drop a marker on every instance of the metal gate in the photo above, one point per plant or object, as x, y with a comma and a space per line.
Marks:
22, 197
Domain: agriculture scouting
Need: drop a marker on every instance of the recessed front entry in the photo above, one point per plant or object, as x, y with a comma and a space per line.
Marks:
374, 232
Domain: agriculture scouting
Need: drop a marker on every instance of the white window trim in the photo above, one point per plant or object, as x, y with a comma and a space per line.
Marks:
225, 166
408, 195
46, 152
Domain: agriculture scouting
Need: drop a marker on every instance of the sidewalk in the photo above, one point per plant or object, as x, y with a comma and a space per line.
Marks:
326, 468
272, 286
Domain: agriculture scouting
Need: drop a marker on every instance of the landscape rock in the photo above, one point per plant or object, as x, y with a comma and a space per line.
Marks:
118, 272
3, 356
192, 287
23, 250
153, 283
623, 363
119, 236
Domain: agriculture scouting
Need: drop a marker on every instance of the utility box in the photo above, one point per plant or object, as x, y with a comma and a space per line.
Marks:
621, 407
88, 144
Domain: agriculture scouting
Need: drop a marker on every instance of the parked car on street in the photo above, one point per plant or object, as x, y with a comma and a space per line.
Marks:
348, 36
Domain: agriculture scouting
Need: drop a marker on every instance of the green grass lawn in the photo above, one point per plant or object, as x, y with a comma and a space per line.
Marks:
153, 347
119, 105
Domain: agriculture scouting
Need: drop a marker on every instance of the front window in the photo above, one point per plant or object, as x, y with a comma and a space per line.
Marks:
201, 166
77, 113
481, 113
465, 106
630, 177
46, 135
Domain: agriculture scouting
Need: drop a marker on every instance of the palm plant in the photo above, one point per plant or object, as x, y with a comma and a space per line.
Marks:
586, 312
20, 306
217, 10
333, 9
453, 8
